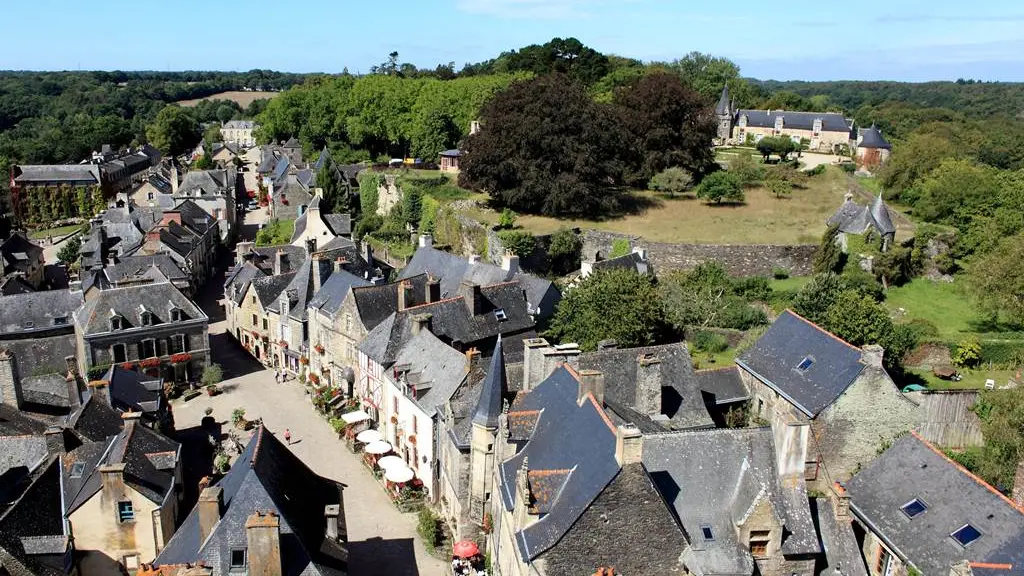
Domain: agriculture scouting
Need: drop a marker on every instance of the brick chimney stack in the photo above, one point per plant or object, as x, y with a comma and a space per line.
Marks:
648, 385
263, 537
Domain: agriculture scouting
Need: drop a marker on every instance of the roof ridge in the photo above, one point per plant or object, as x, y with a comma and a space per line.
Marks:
968, 473
820, 329
718, 369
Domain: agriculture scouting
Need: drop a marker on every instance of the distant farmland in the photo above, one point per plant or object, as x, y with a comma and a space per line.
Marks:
242, 98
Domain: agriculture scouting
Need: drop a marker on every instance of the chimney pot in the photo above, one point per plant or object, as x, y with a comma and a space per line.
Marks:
420, 322
871, 355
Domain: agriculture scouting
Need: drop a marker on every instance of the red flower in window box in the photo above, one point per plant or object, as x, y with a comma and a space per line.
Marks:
284, 200
283, 343
411, 439
150, 363
314, 379
319, 349
303, 360
182, 357
128, 366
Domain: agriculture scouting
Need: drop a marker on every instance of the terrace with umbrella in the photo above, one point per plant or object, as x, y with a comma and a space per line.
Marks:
467, 559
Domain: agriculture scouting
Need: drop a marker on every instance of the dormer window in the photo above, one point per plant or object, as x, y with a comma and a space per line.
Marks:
805, 364
116, 323
29, 324
60, 320
146, 318
707, 533
966, 534
176, 315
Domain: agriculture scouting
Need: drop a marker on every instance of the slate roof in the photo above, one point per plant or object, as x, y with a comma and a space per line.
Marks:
291, 143
133, 446
17, 251
15, 284
830, 121
95, 420
195, 218
36, 312
853, 218
129, 302
19, 457
776, 357
433, 369
42, 355
238, 280
268, 288
911, 468
454, 153
15, 423
340, 224
451, 320
267, 477
133, 391
724, 103
714, 478
376, 303
872, 138
723, 384
35, 519
633, 261
47, 390
674, 369
134, 266
263, 257
76, 173
451, 270
240, 124
206, 183
838, 542
492, 390
567, 436
334, 291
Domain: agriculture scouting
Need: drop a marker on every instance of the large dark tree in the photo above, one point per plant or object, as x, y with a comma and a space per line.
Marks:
668, 125
546, 147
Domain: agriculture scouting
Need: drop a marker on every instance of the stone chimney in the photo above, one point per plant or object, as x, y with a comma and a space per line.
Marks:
472, 359
421, 322
591, 382
1018, 485
871, 356
629, 445
112, 482
332, 512
961, 568
474, 258
321, 271
241, 249
426, 241
211, 500
433, 290
540, 359
510, 263
367, 252
280, 266
174, 178
339, 264
648, 384
609, 344
263, 538
471, 295
406, 299
10, 391
841, 502
101, 389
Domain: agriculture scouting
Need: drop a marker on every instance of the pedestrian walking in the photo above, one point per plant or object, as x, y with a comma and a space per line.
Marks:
287, 436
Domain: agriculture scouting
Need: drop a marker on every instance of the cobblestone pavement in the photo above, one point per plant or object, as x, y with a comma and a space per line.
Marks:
381, 539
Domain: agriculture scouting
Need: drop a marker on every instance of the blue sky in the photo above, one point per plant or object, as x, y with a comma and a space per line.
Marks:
912, 40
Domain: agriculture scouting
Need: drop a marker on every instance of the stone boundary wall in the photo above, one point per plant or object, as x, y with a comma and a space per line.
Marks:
739, 260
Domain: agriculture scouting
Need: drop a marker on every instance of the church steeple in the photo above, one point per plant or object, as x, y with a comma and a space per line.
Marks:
724, 106
489, 407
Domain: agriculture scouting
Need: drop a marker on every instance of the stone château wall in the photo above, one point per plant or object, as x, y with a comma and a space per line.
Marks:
739, 260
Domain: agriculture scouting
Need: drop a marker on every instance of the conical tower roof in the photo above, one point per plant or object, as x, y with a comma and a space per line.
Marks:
489, 407
724, 105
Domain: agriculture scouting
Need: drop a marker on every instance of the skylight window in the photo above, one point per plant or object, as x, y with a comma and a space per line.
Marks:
804, 364
914, 508
707, 533
966, 534
500, 315
77, 469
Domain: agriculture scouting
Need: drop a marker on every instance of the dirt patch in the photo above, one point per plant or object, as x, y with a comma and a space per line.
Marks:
928, 356
243, 98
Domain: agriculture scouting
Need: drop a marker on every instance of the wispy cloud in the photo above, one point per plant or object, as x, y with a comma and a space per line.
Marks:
533, 9
917, 18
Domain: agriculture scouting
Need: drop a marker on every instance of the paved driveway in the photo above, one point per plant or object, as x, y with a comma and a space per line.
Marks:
381, 540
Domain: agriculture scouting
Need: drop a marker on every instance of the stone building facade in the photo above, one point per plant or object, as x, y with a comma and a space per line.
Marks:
821, 131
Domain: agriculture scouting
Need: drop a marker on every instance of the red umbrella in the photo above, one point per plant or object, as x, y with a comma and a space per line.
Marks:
465, 549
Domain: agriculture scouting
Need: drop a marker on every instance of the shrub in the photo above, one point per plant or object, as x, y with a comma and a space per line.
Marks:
212, 375
521, 243
863, 283
780, 273
968, 353
368, 182
564, 251
97, 372
848, 167
945, 264
816, 171
925, 329
429, 528
368, 224
428, 215
721, 186
237, 415
753, 288
222, 463
672, 180
507, 219
620, 247
710, 342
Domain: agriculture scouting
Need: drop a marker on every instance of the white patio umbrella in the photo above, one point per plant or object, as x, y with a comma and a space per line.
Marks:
377, 447
367, 436
398, 474
390, 462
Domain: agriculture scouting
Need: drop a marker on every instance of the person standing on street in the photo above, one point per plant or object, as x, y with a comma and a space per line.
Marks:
288, 436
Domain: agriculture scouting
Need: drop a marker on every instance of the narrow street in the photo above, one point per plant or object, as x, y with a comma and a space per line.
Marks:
382, 541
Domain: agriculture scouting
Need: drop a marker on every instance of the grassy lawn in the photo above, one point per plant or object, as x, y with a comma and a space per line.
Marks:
275, 232
61, 231
763, 219
791, 283
941, 303
707, 361
972, 378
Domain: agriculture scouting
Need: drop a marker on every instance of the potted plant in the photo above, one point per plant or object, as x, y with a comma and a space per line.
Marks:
303, 360
238, 417
319, 349
212, 390
183, 357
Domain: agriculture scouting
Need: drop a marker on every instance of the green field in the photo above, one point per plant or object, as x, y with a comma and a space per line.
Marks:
943, 304
54, 232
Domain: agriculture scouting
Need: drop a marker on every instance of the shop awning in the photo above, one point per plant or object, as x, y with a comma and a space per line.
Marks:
353, 417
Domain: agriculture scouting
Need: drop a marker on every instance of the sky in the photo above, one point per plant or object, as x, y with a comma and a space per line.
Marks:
909, 40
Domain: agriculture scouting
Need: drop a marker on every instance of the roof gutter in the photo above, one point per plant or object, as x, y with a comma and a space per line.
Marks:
772, 385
